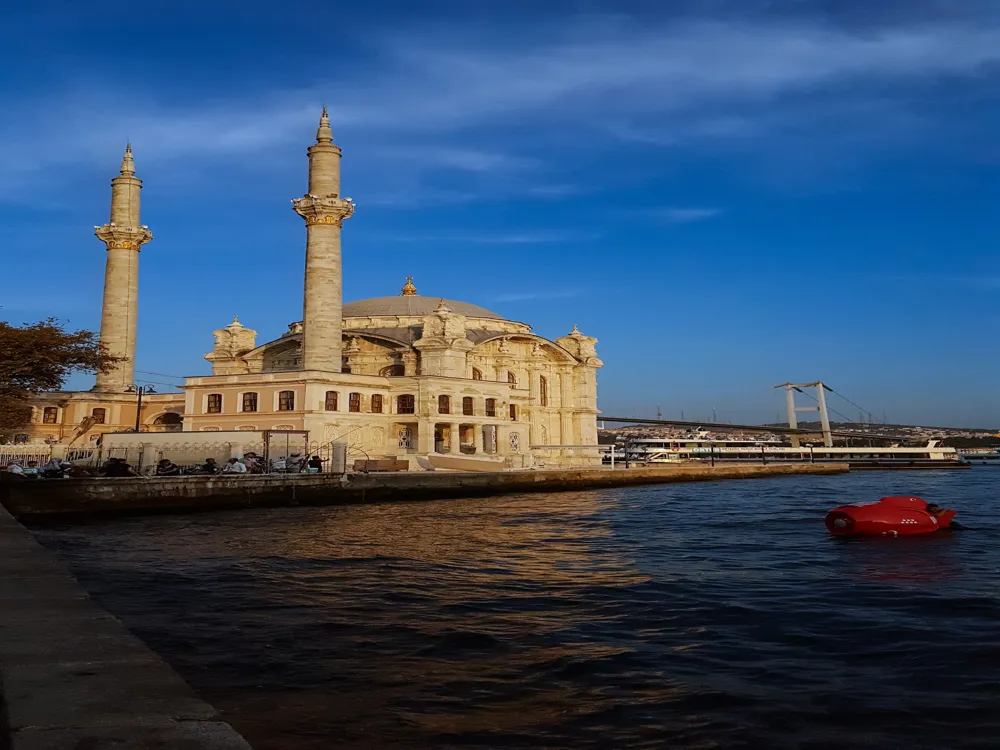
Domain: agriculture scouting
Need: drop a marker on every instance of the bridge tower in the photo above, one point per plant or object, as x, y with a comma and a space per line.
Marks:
824, 418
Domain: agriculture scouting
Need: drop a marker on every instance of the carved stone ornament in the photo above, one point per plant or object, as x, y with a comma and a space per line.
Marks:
328, 210
123, 238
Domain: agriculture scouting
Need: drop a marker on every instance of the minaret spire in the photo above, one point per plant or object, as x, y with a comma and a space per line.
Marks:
128, 166
324, 134
123, 235
324, 211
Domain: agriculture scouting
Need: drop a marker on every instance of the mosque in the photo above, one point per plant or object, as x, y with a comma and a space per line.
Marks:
397, 377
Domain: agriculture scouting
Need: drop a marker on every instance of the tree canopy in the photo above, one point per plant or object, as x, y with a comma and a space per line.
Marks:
38, 357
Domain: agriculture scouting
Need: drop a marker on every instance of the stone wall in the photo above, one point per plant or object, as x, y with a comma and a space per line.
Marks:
54, 499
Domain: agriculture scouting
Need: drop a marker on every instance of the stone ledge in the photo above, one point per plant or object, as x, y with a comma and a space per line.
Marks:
63, 499
72, 676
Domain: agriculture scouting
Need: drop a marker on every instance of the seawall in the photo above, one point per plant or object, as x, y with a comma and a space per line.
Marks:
73, 677
57, 500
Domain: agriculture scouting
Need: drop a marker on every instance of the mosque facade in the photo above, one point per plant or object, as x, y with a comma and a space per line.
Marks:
395, 377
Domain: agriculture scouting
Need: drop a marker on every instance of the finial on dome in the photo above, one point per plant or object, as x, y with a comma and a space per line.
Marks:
442, 307
575, 329
128, 166
409, 290
324, 134
236, 322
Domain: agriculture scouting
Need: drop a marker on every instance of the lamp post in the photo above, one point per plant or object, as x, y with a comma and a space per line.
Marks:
139, 391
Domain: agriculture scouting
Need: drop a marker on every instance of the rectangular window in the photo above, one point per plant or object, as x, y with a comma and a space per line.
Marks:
330, 402
513, 412
286, 401
354, 402
491, 407
543, 391
214, 405
467, 406
444, 404
99, 415
376, 403
406, 404
49, 415
249, 402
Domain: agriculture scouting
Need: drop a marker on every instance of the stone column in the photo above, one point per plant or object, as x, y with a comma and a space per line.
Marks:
324, 211
454, 438
425, 436
123, 236
566, 406
409, 363
477, 438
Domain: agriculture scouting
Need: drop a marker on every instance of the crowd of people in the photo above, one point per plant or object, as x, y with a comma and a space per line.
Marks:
249, 463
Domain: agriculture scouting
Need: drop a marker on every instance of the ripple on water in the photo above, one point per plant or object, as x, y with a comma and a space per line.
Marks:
687, 616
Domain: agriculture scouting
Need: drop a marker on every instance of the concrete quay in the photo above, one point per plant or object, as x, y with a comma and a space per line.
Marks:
58, 500
72, 677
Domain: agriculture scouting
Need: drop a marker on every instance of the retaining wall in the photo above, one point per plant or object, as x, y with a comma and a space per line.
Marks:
62, 498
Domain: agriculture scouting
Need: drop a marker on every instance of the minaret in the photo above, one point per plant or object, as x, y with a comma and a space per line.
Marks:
123, 235
324, 211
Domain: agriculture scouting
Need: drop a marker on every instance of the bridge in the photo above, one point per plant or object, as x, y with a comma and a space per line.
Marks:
746, 428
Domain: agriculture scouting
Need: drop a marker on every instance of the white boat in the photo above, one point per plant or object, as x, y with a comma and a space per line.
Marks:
980, 456
704, 449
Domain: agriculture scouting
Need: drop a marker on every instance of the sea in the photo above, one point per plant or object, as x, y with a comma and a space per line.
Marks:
707, 615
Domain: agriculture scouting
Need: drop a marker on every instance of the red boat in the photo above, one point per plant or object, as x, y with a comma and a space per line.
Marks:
899, 515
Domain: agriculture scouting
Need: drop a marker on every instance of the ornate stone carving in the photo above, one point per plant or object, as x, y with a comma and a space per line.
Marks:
123, 238
323, 210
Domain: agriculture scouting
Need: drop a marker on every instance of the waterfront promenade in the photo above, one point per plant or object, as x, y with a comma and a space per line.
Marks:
72, 676
62, 499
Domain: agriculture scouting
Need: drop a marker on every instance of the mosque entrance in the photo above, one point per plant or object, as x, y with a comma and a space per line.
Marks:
442, 438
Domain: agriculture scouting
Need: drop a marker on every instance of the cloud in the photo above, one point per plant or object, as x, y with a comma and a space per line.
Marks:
686, 215
545, 294
527, 237
592, 81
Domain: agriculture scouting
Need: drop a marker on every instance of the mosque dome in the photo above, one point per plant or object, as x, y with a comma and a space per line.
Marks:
414, 305
409, 303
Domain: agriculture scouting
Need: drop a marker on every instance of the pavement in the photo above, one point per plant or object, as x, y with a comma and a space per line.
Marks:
73, 677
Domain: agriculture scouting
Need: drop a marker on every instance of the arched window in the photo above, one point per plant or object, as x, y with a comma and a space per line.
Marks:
49, 415
513, 412
406, 404
512, 378
169, 422
286, 401
491, 407
467, 407
330, 402
376, 403
543, 391
249, 402
477, 374
444, 404
99, 415
354, 402
392, 371
213, 405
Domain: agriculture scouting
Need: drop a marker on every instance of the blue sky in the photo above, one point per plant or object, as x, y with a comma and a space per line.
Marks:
729, 194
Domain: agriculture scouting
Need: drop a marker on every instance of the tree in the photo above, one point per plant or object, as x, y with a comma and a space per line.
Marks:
38, 357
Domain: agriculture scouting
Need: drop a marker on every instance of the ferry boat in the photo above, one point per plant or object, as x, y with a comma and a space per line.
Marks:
980, 456
704, 449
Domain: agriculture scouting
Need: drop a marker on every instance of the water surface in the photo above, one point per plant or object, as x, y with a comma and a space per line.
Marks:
713, 615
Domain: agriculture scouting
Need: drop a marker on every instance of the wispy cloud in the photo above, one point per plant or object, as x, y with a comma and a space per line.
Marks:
972, 282
538, 237
599, 66
542, 294
598, 78
677, 215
